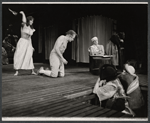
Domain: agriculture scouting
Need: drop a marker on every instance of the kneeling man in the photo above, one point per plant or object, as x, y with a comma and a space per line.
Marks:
56, 58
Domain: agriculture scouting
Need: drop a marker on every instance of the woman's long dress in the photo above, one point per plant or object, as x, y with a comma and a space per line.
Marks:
24, 51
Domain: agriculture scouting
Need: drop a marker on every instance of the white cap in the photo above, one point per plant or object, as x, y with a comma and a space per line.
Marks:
94, 39
130, 69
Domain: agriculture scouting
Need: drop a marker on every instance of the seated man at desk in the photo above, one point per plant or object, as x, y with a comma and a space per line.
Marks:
96, 49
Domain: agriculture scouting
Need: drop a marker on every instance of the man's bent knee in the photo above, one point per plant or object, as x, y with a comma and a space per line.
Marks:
57, 74
54, 75
61, 74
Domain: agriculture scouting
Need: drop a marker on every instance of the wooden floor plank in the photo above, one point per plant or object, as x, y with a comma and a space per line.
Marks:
100, 112
78, 110
118, 114
42, 95
107, 114
43, 101
18, 110
50, 109
53, 90
73, 109
25, 110
51, 87
62, 106
86, 114
78, 101
67, 110
86, 98
126, 116
28, 95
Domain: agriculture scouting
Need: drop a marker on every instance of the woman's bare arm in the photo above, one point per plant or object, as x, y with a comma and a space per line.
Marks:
24, 20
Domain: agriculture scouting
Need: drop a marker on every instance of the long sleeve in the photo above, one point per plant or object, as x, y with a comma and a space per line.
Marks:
101, 50
91, 50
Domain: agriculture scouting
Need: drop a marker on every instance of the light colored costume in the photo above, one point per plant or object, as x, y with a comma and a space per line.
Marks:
111, 49
24, 51
130, 82
96, 50
118, 89
109, 89
56, 65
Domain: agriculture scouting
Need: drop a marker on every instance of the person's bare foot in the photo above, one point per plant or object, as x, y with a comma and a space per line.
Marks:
33, 73
39, 71
16, 74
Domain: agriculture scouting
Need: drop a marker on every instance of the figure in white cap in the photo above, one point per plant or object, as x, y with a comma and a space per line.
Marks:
96, 49
130, 82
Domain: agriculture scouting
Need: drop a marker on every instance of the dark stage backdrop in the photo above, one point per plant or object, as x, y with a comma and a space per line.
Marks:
86, 28
47, 37
53, 20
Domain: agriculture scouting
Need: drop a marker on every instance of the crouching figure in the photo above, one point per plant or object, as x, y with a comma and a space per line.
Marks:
130, 82
109, 89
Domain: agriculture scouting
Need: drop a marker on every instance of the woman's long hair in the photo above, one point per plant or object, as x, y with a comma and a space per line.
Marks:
28, 20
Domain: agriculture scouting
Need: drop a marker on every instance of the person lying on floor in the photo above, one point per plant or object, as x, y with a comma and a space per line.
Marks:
130, 82
108, 87
56, 58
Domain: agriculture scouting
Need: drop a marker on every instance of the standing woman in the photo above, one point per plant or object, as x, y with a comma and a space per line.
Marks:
24, 50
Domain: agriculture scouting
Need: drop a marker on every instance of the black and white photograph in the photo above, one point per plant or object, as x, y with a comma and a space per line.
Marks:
84, 61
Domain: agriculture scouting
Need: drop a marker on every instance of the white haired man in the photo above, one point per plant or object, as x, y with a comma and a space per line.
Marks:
56, 58
96, 49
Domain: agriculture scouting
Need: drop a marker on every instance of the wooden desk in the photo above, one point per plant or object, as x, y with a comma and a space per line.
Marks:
96, 61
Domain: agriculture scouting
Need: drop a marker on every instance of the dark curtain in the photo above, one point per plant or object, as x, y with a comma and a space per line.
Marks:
86, 28
40, 38
50, 36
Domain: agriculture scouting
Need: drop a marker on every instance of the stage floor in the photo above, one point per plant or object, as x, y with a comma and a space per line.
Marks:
27, 91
